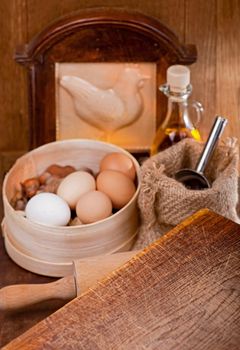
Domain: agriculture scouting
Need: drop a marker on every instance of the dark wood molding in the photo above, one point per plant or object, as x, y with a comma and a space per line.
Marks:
94, 35
90, 18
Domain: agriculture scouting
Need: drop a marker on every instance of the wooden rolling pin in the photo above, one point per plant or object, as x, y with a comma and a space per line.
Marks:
86, 274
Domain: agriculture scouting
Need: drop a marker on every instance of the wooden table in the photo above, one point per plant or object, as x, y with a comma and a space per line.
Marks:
182, 292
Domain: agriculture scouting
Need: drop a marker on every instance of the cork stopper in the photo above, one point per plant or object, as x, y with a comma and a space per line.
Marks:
178, 78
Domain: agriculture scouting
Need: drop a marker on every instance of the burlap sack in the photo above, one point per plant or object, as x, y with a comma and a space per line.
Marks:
164, 202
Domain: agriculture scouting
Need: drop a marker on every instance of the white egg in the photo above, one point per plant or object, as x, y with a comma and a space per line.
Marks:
48, 209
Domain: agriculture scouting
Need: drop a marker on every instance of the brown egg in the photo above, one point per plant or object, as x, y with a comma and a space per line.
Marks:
119, 162
117, 186
73, 186
93, 206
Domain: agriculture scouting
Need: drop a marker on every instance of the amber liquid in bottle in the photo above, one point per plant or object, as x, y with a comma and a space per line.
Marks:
176, 126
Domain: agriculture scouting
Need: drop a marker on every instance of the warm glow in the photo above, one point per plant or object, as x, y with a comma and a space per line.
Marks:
196, 135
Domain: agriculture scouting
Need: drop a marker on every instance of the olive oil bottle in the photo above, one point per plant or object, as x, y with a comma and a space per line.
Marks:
177, 124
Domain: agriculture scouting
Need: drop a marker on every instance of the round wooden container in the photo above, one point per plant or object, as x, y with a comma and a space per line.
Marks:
50, 250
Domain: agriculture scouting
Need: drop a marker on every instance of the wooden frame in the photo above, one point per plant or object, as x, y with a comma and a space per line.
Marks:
94, 35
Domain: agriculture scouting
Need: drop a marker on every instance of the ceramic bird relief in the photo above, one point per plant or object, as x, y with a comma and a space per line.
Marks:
108, 109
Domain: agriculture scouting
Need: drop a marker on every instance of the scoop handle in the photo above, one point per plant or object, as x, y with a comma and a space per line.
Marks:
216, 131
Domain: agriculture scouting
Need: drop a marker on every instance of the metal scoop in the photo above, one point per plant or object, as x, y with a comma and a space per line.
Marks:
195, 179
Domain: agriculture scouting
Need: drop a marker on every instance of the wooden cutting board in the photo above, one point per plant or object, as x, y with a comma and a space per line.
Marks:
182, 292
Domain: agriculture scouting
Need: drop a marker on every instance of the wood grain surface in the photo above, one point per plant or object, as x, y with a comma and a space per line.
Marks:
203, 73
228, 64
182, 292
13, 88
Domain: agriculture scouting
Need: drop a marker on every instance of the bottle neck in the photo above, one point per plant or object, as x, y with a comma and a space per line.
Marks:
176, 95
177, 112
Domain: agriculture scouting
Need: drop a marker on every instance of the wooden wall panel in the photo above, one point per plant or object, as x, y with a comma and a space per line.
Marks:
13, 102
228, 64
166, 11
201, 30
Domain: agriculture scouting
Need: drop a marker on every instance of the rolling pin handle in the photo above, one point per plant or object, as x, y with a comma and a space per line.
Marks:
22, 295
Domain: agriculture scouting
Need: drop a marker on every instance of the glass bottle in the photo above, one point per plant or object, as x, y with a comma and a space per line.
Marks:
177, 124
